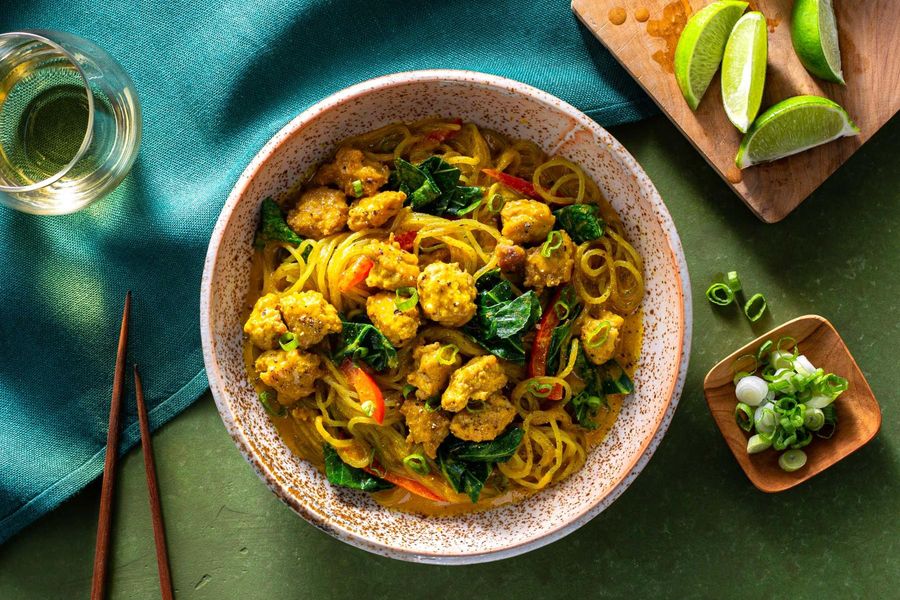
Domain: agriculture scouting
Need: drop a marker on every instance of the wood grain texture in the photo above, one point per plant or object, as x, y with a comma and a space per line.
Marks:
869, 34
858, 413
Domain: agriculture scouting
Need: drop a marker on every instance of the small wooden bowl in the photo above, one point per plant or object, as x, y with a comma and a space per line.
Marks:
858, 413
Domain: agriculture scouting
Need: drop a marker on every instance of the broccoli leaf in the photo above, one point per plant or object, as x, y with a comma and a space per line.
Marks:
340, 473
272, 226
360, 340
581, 221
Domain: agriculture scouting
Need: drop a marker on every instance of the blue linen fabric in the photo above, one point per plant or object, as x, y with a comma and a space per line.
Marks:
216, 80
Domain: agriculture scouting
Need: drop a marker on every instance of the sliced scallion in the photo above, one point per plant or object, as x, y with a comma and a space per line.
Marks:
417, 463
368, 408
792, 460
357, 188
755, 307
733, 281
758, 443
270, 406
287, 341
554, 241
407, 390
743, 416
598, 335
447, 354
751, 390
406, 298
495, 204
719, 294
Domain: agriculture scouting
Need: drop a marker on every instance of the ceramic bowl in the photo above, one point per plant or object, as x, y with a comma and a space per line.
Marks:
519, 111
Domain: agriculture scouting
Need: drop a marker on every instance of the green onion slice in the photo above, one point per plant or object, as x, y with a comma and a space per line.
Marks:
733, 281
747, 363
554, 241
470, 207
562, 310
719, 294
433, 404
407, 390
758, 443
447, 354
598, 336
287, 341
764, 349
786, 342
417, 463
407, 297
539, 389
368, 408
270, 406
792, 460
743, 416
495, 204
803, 438
357, 188
755, 307
475, 406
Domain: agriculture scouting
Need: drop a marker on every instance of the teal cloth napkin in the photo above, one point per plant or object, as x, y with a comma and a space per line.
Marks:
216, 80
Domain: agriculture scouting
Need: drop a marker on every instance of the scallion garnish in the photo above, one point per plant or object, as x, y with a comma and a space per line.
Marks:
287, 341
357, 188
407, 390
793, 400
733, 281
433, 404
719, 294
539, 389
406, 298
554, 241
447, 354
267, 403
598, 335
743, 416
368, 408
417, 463
495, 204
755, 307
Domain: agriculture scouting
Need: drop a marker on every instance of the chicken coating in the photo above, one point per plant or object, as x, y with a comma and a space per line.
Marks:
481, 377
429, 376
394, 268
487, 422
292, 374
550, 271
351, 165
510, 256
309, 317
264, 325
426, 427
447, 294
399, 326
593, 332
526, 221
320, 212
374, 211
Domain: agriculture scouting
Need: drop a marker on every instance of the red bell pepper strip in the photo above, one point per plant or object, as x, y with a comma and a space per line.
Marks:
514, 183
356, 274
365, 387
537, 367
441, 135
407, 484
406, 240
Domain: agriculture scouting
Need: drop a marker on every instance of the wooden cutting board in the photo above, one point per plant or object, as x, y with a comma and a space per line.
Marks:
870, 51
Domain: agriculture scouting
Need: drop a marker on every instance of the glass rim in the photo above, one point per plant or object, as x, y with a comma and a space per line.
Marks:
89, 128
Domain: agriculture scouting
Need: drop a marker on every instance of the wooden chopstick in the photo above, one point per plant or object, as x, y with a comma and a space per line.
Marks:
159, 530
101, 551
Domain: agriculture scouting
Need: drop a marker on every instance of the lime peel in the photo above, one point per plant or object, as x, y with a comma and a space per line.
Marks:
744, 69
815, 38
792, 126
701, 45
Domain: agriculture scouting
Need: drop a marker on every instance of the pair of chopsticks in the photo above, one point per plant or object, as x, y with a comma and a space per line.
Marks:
101, 552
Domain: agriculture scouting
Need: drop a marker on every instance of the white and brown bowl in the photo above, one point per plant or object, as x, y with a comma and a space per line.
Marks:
519, 111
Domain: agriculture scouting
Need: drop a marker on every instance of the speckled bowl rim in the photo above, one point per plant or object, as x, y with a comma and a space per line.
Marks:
247, 448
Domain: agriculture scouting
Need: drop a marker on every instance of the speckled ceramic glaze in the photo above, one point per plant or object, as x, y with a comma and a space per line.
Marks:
519, 111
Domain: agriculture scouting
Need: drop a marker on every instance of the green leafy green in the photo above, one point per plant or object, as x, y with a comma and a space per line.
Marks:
467, 465
502, 318
272, 226
616, 380
360, 340
562, 333
585, 405
433, 187
581, 221
340, 473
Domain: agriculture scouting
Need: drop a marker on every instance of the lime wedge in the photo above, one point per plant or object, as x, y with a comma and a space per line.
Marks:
815, 36
701, 45
744, 69
792, 126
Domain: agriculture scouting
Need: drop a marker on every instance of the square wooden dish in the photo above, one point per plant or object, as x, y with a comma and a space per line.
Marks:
868, 33
858, 413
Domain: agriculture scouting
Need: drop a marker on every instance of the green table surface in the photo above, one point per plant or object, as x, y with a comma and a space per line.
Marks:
691, 525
